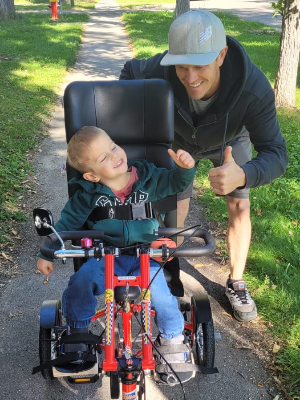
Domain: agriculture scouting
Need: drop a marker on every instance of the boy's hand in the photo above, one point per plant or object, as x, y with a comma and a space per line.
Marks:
45, 266
182, 158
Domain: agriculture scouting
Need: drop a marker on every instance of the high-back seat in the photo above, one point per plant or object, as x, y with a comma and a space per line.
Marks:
137, 114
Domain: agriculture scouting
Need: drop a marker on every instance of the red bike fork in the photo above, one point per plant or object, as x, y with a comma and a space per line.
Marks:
148, 361
109, 362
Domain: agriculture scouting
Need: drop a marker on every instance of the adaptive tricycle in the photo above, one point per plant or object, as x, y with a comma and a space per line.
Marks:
139, 117
127, 357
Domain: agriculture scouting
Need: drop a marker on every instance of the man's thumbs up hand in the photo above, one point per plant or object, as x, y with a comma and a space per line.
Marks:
228, 177
228, 155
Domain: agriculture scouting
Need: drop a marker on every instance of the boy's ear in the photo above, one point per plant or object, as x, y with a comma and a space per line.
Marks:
89, 176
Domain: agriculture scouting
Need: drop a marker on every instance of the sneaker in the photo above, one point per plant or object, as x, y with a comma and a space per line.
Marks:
244, 308
171, 352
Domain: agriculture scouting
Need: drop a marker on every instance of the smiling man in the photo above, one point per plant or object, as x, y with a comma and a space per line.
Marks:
223, 103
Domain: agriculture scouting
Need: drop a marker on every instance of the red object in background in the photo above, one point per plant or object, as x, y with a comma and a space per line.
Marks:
53, 6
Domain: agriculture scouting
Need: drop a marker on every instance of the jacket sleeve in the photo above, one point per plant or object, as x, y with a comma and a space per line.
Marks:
143, 69
169, 182
265, 134
124, 233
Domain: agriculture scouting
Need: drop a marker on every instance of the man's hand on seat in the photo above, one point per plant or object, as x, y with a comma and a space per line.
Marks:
182, 158
45, 266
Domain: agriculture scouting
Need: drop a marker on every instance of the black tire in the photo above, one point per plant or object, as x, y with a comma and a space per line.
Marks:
114, 375
45, 343
114, 385
203, 331
141, 386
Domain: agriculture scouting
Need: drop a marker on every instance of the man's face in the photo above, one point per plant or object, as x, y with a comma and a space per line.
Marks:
201, 81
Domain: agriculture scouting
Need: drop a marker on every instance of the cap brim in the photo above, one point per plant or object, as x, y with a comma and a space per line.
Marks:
189, 59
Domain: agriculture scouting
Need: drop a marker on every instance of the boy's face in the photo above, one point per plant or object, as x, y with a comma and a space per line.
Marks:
109, 161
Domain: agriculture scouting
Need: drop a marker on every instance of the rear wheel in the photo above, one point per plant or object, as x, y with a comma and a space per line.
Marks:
47, 339
203, 331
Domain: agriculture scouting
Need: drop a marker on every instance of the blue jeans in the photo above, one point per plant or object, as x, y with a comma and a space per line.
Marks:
79, 299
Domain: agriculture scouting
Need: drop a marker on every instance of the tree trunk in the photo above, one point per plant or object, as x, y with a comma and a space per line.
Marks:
7, 9
286, 78
182, 6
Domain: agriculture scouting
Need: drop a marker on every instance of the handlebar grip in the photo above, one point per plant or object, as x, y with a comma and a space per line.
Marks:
191, 251
51, 240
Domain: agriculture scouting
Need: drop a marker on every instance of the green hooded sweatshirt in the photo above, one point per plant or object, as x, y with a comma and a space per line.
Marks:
153, 184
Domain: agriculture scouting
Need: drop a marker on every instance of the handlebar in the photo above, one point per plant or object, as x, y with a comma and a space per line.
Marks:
195, 251
50, 240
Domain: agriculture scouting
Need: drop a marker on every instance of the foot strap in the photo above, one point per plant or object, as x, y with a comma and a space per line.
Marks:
65, 359
76, 338
185, 367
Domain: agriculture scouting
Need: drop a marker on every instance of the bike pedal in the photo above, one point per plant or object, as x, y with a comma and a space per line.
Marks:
83, 379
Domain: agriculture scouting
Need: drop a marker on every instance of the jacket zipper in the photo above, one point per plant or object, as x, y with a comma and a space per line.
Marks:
192, 126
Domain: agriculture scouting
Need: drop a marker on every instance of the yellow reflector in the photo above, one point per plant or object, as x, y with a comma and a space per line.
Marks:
82, 379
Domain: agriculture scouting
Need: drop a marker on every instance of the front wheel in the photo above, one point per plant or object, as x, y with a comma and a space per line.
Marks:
141, 382
203, 331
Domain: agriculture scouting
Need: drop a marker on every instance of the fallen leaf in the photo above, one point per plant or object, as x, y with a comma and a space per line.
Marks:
37, 272
227, 315
4, 255
277, 380
273, 287
295, 223
276, 398
260, 384
291, 233
240, 346
276, 348
10, 315
15, 232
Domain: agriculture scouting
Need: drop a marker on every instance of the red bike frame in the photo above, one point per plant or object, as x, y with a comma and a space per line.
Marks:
129, 373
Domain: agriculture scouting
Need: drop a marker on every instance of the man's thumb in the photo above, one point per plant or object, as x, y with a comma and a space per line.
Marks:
228, 155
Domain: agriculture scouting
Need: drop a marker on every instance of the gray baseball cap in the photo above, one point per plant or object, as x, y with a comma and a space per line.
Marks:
195, 38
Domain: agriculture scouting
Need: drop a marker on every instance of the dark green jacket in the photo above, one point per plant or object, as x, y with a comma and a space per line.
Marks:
245, 99
153, 184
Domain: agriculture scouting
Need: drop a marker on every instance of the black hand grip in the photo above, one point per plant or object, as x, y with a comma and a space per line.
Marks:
47, 249
190, 251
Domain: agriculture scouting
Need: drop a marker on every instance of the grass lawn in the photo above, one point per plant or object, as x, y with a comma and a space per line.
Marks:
144, 3
273, 271
42, 5
35, 54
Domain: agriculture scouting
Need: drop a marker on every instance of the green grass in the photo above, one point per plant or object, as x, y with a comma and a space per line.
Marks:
273, 271
34, 56
136, 3
42, 5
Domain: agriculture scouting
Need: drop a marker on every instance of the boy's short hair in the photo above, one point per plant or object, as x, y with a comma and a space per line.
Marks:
79, 147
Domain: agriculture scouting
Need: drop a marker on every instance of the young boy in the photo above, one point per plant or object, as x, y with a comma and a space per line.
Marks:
110, 180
